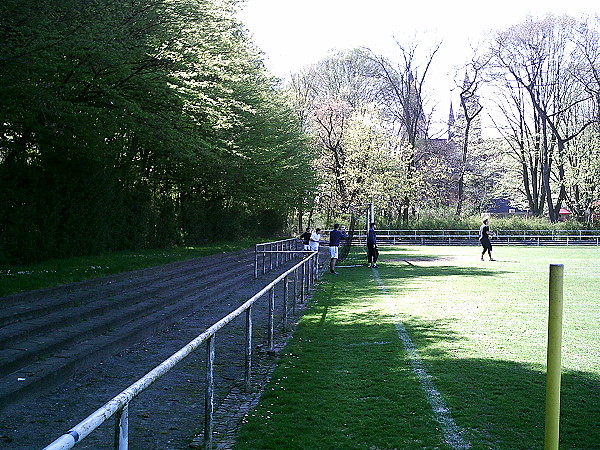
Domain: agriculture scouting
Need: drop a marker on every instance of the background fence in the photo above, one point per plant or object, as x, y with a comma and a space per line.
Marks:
471, 237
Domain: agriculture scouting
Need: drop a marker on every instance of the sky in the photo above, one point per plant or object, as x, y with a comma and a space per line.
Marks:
296, 33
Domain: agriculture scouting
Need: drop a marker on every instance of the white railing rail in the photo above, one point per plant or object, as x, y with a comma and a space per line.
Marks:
306, 271
457, 237
273, 254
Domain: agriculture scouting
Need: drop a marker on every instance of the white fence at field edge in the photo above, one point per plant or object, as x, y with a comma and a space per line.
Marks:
471, 237
303, 275
270, 255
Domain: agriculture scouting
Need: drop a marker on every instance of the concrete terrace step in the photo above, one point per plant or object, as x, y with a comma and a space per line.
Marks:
44, 301
41, 352
102, 302
54, 369
67, 332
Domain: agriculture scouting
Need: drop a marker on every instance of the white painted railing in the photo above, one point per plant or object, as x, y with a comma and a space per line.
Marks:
273, 254
304, 273
467, 237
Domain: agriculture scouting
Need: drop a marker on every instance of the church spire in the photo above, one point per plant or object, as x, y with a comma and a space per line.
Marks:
451, 122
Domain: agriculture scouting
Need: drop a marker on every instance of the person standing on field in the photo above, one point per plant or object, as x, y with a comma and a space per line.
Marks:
335, 237
306, 238
372, 250
315, 238
484, 238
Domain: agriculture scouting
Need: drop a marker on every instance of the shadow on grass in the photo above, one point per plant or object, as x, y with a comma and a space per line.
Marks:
347, 382
412, 271
502, 403
499, 403
359, 369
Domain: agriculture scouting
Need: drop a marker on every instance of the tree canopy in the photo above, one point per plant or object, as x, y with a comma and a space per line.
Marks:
132, 124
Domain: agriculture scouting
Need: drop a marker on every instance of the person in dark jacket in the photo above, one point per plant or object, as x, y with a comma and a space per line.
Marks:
484, 238
335, 237
372, 250
306, 238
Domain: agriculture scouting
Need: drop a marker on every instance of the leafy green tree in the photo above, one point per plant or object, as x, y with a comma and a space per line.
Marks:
131, 124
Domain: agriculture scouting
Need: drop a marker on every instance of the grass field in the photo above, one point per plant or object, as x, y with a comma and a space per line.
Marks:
479, 329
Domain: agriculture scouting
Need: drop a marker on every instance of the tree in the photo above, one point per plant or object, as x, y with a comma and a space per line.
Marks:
133, 124
402, 93
539, 57
326, 96
471, 109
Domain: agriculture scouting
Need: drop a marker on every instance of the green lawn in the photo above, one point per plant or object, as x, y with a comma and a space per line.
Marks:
479, 330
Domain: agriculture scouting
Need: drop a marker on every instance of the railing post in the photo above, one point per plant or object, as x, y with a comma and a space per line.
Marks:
555, 312
271, 256
122, 429
264, 256
285, 303
270, 339
295, 291
302, 281
248, 356
256, 261
210, 392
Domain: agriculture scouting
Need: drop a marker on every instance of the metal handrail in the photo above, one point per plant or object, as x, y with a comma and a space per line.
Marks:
403, 232
282, 250
539, 237
119, 404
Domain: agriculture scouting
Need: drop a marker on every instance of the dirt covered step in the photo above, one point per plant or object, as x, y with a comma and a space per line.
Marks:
56, 368
105, 302
30, 305
69, 332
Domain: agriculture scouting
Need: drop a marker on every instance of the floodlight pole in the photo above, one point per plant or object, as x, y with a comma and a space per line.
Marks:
555, 313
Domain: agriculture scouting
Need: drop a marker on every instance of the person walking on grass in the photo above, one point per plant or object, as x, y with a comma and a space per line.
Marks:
484, 238
335, 237
372, 250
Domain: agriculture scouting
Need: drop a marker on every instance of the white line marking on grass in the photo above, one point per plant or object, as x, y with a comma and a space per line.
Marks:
452, 432
361, 344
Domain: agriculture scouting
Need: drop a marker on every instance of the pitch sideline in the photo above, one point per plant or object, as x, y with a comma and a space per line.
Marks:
452, 432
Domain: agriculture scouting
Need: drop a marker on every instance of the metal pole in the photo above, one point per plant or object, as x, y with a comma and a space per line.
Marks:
555, 313
285, 303
256, 261
248, 361
271, 313
303, 276
210, 392
122, 429
295, 291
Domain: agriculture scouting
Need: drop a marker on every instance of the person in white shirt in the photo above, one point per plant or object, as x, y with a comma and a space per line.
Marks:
315, 238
